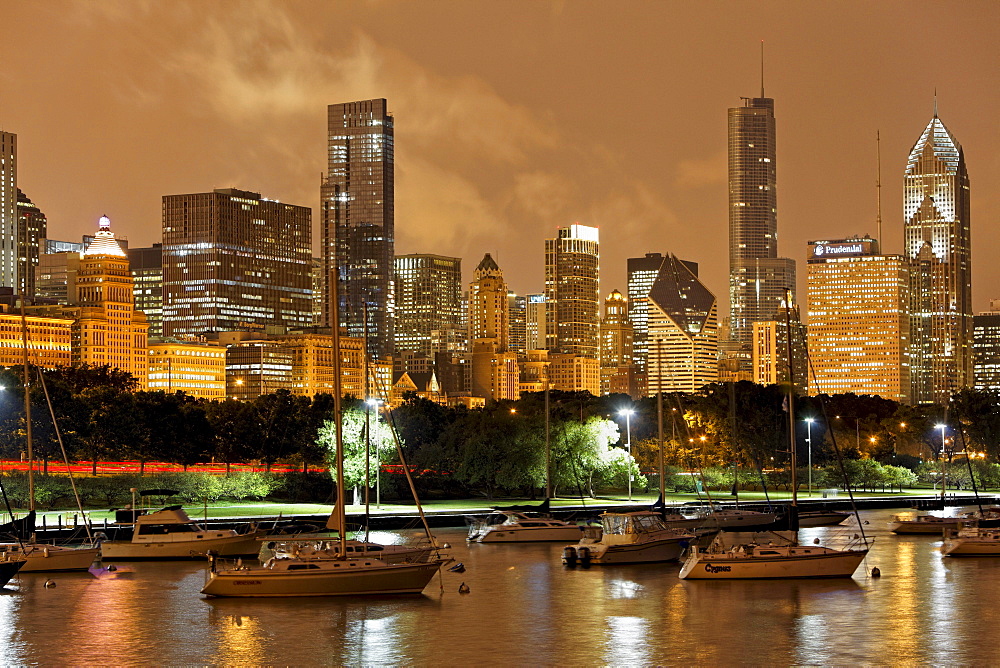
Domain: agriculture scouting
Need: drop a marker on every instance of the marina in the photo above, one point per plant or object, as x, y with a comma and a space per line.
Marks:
615, 614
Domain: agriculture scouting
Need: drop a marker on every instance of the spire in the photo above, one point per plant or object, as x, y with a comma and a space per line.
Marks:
935, 102
488, 264
104, 242
762, 68
878, 186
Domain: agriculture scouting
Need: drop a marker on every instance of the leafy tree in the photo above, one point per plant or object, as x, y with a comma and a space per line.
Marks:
381, 446
234, 430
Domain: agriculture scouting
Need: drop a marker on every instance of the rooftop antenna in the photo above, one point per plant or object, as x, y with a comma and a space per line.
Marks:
762, 74
935, 102
878, 187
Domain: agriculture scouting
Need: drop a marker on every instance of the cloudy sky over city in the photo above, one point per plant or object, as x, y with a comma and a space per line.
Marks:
511, 118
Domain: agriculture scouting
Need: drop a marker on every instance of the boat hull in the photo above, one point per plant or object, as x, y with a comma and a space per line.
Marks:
925, 528
502, 534
227, 546
639, 554
834, 564
821, 518
347, 581
9, 568
51, 558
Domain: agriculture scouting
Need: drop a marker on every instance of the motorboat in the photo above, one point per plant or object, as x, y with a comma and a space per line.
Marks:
9, 567
43, 558
768, 561
971, 541
822, 518
628, 538
321, 576
170, 534
313, 547
925, 524
515, 527
737, 520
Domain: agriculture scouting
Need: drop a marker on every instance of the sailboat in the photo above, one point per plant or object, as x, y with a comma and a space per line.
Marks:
328, 572
788, 560
40, 557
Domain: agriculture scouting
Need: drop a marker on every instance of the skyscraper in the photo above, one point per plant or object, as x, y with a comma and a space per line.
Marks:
8, 211
233, 261
986, 346
758, 278
534, 322
147, 271
859, 326
494, 367
517, 310
428, 299
617, 375
572, 293
357, 220
683, 331
32, 227
937, 244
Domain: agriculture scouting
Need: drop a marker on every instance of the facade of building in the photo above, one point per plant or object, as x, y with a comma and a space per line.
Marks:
534, 322
50, 339
233, 261
758, 279
986, 348
517, 310
108, 330
683, 331
428, 299
770, 350
858, 323
574, 373
937, 243
495, 375
617, 367
196, 368
257, 366
572, 295
55, 274
32, 227
147, 273
489, 316
357, 200
9, 271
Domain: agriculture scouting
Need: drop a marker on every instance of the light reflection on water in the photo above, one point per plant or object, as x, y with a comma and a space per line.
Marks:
525, 608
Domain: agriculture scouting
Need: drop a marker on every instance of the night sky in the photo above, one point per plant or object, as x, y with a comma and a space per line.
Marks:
512, 118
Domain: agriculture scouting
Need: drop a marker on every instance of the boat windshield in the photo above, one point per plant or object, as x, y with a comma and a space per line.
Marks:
623, 524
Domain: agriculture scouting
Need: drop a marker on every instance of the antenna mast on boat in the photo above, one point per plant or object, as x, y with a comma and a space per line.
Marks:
793, 524
548, 449
27, 379
338, 420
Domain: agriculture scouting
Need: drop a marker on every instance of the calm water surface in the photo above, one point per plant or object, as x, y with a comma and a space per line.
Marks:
526, 609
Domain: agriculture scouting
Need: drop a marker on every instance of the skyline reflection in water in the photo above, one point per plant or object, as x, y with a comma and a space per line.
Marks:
525, 608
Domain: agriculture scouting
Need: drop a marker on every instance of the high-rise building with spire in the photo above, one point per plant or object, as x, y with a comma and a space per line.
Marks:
617, 366
758, 279
358, 230
494, 367
937, 245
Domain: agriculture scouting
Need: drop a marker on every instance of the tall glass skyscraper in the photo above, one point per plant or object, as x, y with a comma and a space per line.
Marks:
9, 271
572, 296
758, 278
357, 213
429, 299
937, 245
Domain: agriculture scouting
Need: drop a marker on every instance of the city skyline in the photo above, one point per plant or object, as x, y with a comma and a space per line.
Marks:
517, 151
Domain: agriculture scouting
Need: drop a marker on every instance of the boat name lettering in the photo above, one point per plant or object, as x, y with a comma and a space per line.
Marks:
709, 568
246, 582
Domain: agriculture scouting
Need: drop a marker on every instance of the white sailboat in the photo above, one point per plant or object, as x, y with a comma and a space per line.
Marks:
325, 573
787, 560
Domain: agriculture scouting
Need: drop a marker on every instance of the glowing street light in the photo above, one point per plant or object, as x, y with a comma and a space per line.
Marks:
944, 467
809, 443
627, 412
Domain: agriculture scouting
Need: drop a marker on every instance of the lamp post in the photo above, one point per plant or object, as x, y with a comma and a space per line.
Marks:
809, 444
627, 412
944, 466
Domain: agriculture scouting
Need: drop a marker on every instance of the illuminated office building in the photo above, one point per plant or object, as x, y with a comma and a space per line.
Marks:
233, 261
357, 200
858, 322
32, 227
572, 293
770, 350
9, 271
147, 272
986, 348
683, 331
534, 322
198, 369
517, 314
617, 375
494, 367
936, 240
428, 299
758, 278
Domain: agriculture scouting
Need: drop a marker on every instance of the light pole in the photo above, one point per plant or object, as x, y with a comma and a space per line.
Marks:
627, 412
809, 444
944, 466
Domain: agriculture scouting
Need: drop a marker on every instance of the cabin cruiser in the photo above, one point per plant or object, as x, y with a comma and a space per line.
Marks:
42, 557
737, 520
170, 534
628, 538
754, 561
925, 524
513, 527
971, 541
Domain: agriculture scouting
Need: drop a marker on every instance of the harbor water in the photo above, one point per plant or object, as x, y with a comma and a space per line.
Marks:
525, 608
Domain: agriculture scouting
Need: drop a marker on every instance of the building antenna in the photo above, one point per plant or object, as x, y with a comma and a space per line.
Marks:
935, 102
878, 187
762, 71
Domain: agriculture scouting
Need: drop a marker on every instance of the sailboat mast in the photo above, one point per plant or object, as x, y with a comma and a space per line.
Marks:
27, 385
791, 395
338, 420
364, 392
659, 430
548, 449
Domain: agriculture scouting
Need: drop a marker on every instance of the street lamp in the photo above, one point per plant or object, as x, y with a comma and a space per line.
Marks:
809, 443
944, 466
627, 412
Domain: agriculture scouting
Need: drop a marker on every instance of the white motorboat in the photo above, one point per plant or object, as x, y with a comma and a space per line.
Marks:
41, 558
970, 541
513, 527
736, 519
328, 547
302, 576
925, 524
770, 561
628, 538
822, 518
170, 534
